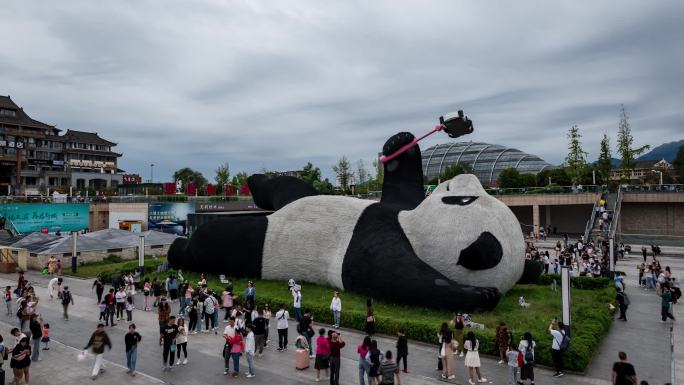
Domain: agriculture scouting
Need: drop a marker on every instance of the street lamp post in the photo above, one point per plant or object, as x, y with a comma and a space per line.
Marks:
141, 255
661, 175
151, 172
74, 251
565, 296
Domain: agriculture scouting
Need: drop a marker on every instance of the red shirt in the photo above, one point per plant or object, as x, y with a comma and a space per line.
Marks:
335, 347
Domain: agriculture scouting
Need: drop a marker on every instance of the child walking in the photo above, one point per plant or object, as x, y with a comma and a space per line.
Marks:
129, 309
102, 306
46, 336
513, 366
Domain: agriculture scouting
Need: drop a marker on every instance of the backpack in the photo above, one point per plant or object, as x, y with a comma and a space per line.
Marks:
529, 355
565, 343
66, 298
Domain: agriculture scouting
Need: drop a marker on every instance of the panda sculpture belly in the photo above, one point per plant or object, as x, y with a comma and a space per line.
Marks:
302, 237
458, 248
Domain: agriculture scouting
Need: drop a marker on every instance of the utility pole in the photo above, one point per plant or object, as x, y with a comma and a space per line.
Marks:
151, 172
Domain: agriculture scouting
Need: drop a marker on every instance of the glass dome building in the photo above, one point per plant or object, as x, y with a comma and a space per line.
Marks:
486, 160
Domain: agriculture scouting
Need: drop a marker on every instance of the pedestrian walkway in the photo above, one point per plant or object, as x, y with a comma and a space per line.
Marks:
206, 365
61, 361
645, 340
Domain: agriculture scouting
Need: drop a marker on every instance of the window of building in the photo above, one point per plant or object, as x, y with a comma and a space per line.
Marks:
6, 112
30, 181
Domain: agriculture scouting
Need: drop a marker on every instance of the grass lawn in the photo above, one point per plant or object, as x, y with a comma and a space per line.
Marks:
591, 317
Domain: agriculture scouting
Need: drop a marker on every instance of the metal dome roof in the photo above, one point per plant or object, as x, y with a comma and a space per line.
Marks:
486, 160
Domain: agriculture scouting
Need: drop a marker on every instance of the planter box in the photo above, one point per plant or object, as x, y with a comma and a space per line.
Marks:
8, 267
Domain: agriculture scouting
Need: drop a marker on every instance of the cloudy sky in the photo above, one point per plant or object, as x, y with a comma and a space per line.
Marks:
276, 84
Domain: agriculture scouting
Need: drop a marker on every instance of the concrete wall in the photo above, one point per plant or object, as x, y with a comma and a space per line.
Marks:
664, 219
99, 216
569, 219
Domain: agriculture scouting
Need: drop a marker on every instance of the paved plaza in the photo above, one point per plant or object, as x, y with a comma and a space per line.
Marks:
643, 337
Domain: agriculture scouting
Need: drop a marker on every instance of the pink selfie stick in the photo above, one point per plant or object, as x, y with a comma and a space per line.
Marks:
404, 148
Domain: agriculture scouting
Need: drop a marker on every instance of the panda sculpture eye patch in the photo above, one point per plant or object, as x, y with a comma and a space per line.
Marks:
484, 253
462, 200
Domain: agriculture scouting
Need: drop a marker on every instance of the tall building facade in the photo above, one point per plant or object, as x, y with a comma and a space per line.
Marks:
34, 157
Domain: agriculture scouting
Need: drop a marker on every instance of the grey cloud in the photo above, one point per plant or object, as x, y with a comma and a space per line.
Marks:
273, 85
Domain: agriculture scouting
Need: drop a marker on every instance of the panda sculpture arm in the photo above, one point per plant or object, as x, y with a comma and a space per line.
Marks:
402, 184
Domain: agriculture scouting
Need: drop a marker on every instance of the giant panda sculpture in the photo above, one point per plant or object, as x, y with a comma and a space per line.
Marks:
457, 248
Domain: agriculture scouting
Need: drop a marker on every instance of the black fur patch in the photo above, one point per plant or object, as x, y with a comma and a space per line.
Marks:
231, 246
272, 193
484, 253
381, 263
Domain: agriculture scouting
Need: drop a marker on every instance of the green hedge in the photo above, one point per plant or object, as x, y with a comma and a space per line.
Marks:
584, 283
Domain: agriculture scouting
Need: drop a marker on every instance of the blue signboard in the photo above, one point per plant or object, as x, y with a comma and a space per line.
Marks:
169, 217
53, 217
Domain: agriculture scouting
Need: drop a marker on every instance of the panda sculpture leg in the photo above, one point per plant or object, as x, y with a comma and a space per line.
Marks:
232, 245
272, 193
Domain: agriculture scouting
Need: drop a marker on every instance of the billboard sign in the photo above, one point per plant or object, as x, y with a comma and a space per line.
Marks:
169, 217
30, 217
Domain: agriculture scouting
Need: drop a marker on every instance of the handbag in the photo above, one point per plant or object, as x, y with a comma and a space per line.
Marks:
173, 348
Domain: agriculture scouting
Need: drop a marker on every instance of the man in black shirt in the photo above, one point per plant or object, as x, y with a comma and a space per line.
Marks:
166, 339
259, 329
623, 372
132, 338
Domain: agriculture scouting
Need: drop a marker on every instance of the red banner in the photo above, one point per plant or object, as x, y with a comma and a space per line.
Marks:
228, 190
211, 190
244, 189
191, 189
169, 188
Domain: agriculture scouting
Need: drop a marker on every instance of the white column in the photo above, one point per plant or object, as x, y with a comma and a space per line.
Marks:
565, 295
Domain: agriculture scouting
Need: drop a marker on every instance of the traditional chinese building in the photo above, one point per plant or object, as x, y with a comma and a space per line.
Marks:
35, 158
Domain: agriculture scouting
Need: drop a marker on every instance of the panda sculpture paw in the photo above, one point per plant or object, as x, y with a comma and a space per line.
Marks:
483, 298
396, 142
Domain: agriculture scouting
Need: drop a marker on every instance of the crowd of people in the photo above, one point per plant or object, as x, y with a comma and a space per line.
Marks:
247, 322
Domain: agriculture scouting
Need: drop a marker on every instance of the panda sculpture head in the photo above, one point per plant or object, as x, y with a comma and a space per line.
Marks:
467, 235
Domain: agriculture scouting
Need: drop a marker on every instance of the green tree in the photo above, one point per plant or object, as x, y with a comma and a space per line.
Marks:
527, 180
605, 160
375, 182
624, 145
678, 164
239, 179
576, 160
187, 175
343, 172
324, 186
222, 176
362, 175
508, 178
311, 174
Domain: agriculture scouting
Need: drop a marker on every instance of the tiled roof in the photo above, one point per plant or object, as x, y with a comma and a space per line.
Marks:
86, 137
20, 118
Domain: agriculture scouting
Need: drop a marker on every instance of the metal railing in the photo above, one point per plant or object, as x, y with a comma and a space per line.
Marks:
590, 224
545, 190
616, 214
661, 188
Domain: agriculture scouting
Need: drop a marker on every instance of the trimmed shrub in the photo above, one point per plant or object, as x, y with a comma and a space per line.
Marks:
583, 283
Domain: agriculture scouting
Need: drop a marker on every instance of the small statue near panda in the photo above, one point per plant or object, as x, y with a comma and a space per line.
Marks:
456, 248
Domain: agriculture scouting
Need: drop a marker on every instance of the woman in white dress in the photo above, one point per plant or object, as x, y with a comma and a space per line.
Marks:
472, 358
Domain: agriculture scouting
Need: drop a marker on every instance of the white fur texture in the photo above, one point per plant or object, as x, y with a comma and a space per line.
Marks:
308, 238
438, 232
